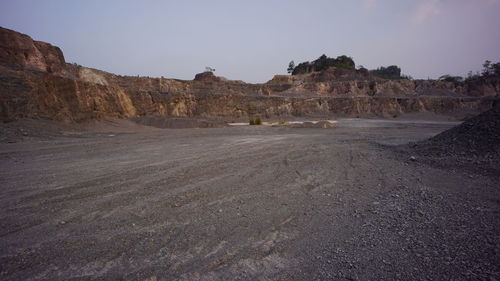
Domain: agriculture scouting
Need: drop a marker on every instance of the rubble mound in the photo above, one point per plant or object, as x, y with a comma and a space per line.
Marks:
477, 137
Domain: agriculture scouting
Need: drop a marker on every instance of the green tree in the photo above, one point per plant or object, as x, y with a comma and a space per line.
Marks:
449, 78
496, 68
291, 67
390, 72
487, 68
345, 62
490, 69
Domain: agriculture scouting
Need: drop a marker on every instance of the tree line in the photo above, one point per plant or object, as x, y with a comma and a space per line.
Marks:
489, 70
387, 72
345, 62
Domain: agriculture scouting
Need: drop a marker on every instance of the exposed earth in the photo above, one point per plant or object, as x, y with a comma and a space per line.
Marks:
116, 200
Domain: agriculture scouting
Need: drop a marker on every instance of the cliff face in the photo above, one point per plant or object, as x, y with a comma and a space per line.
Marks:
20, 50
35, 82
345, 83
36, 94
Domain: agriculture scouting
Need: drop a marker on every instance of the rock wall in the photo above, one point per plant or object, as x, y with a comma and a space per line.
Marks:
330, 83
19, 50
35, 82
29, 94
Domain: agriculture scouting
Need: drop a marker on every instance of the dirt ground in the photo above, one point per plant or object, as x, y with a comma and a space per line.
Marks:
243, 203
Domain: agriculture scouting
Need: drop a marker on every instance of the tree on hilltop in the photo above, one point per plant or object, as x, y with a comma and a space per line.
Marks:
324, 63
449, 78
389, 72
291, 67
490, 69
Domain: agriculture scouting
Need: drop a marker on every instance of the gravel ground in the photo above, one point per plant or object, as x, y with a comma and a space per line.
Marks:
244, 203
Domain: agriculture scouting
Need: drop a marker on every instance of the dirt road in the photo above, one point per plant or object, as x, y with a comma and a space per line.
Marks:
243, 203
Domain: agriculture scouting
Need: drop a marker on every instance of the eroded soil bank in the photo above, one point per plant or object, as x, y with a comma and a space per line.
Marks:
243, 203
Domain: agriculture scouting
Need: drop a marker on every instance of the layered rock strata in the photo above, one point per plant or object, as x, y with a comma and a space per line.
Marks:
36, 82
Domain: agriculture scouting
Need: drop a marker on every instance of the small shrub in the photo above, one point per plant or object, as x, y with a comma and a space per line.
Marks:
282, 122
453, 79
255, 121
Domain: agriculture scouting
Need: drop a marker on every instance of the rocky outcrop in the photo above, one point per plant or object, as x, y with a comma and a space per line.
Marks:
36, 83
34, 94
207, 76
25, 94
19, 50
339, 82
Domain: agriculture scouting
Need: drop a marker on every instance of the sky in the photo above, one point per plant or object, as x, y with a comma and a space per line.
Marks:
254, 40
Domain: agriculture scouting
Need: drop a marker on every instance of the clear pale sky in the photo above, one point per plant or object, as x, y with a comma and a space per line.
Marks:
253, 40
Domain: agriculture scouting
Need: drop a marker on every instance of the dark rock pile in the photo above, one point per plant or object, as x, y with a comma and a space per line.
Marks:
477, 137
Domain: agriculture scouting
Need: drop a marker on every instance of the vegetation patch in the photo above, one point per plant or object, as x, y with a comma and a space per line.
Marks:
321, 64
255, 121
